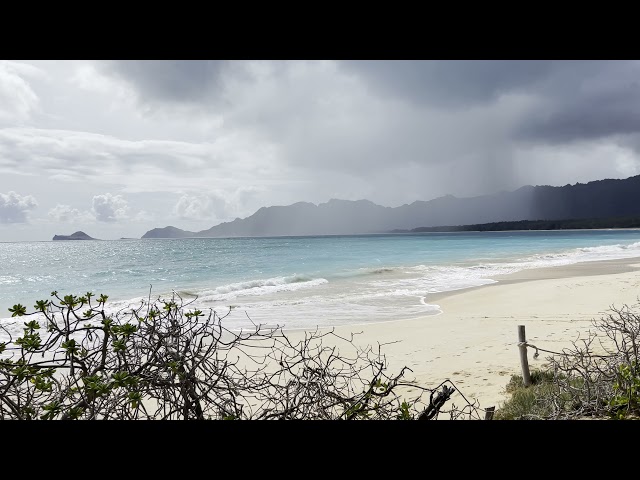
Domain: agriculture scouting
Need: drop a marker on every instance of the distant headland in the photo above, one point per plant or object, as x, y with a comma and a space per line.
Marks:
74, 236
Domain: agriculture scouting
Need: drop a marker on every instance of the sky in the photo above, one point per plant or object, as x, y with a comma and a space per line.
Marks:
116, 148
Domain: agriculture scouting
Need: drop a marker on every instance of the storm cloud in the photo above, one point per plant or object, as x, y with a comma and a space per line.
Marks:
599, 105
172, 81
192, 143
450, 83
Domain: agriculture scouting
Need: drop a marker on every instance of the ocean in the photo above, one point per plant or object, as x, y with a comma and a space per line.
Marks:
295, 282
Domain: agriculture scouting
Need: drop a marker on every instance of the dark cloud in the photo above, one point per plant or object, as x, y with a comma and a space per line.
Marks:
171, 81
577, 107
449, 83
575, 100
260, 133
580, 122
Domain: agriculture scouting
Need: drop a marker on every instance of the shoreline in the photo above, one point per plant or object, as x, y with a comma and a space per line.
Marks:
586, 268
473, 342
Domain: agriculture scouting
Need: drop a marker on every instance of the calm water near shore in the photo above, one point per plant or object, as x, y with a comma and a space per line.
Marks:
299, 282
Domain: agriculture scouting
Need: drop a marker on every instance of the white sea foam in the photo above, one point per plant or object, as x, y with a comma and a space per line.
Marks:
400, 292
361, 295
8, 280
261, 287
447, 278
328, 311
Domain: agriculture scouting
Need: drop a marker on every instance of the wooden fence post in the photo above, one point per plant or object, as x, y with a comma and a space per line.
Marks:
524, 361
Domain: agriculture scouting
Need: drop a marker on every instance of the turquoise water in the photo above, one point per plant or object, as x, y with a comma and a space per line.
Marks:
298, 282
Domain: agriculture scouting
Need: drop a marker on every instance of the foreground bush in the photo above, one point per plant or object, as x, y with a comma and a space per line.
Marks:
533, 402
597, 377
160, 360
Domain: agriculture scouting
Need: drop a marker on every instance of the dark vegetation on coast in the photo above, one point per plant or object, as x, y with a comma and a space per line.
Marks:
571, 224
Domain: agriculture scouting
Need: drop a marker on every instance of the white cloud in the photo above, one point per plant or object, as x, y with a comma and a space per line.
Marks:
143, 216
109, 208
198, 207
17, 98
14, 207
140, 165
88, 78
66, 213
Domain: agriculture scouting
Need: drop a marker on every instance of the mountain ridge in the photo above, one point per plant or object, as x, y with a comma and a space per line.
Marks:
599, 198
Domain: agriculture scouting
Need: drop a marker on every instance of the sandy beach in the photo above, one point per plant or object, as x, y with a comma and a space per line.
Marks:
473, 341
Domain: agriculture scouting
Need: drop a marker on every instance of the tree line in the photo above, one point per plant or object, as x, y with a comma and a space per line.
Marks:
570, 224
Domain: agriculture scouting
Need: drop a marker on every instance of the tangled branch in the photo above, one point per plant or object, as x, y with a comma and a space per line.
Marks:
160, 360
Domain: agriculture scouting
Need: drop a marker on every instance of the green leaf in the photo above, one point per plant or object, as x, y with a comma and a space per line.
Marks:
32, 325
135, 398
70, 301
41, 305
75, 412
71, 346
119, 346
18, 310
51, 410
120, 379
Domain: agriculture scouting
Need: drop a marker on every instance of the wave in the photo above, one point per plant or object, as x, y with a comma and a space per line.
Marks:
381, 270
612, 249
364, 271
261, 287
8, 280
582, 254
442, 278
374, 293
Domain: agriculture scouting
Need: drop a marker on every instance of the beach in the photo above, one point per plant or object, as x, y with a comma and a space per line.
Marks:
473, 342
445, 307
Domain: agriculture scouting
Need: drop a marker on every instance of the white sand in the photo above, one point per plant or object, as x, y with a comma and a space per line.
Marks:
474, 341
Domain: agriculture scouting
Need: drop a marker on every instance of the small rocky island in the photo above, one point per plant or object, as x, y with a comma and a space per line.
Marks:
74, 236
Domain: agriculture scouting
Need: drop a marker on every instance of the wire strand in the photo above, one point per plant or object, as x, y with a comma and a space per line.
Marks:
537, 354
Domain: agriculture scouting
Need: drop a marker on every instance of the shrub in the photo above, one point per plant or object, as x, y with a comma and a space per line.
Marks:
162, 360
598, 376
